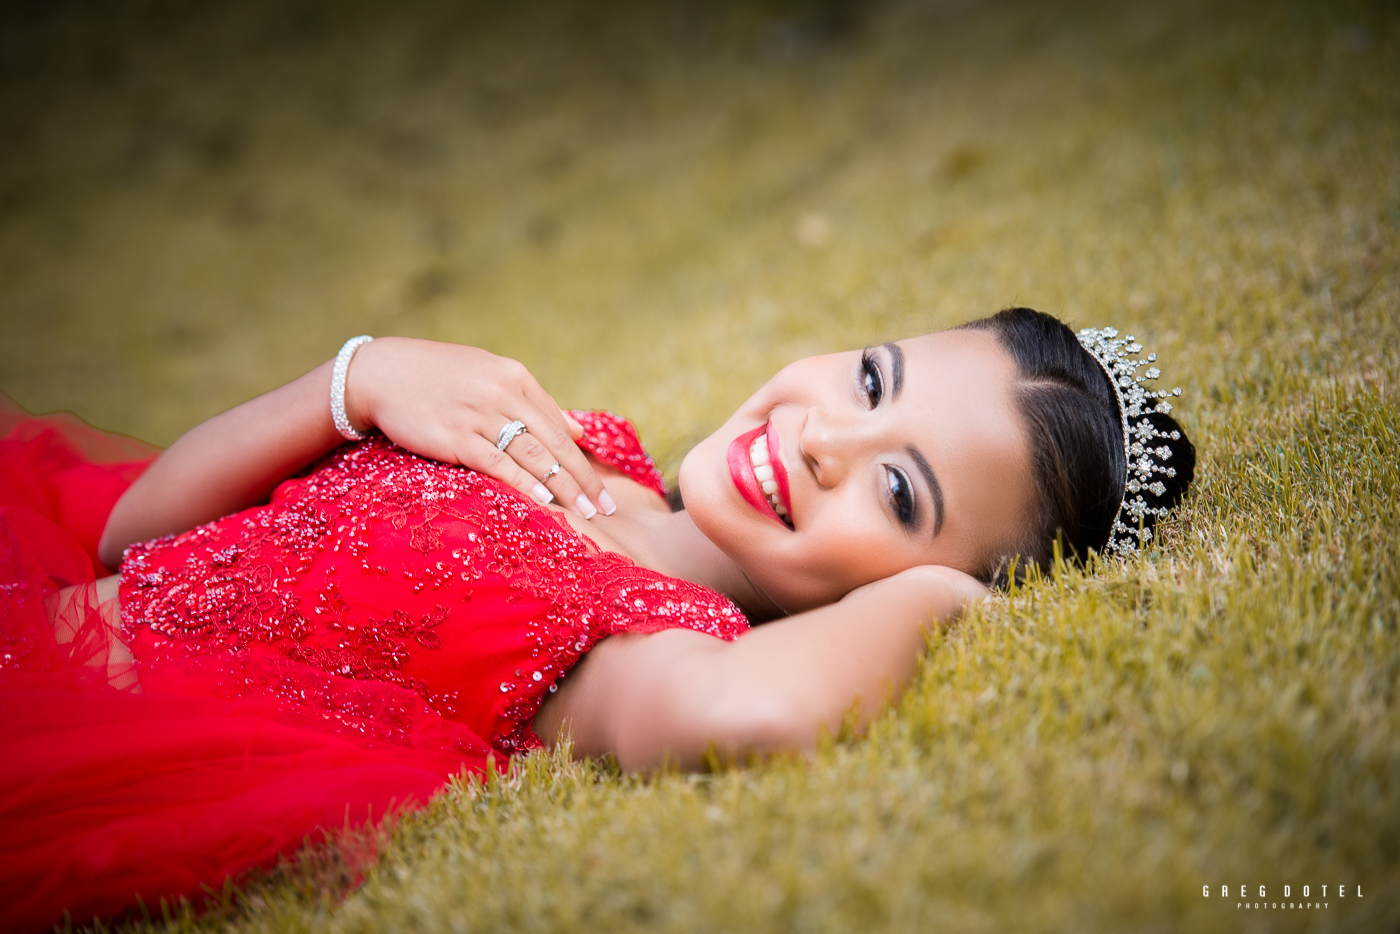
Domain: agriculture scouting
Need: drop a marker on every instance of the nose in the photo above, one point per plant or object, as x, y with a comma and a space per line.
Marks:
832, 443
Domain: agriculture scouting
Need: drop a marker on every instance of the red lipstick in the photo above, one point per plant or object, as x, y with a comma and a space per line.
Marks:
741, 472
775, 460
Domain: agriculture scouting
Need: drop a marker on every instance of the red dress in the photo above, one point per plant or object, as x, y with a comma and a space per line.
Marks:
382, 624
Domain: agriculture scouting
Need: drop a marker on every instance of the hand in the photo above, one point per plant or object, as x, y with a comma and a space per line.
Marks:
449, 402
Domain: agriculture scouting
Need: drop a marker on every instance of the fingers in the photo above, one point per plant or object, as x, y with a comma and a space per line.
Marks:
529, 460
538, 452
559, 433
483, 455
449, 403
575, 429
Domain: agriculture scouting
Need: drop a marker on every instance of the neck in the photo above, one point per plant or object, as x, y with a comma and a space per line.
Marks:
671, 544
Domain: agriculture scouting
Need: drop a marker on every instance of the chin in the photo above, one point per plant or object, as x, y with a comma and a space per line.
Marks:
760, 546
716, 507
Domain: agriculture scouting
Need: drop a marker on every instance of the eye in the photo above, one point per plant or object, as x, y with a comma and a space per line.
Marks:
901, 496
871, 382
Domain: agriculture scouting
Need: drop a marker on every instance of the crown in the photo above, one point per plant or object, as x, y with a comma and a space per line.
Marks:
1120, 361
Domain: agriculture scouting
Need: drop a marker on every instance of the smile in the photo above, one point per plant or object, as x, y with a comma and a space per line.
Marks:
756, 467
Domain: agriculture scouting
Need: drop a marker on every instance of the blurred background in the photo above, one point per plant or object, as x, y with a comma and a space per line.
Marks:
655, 205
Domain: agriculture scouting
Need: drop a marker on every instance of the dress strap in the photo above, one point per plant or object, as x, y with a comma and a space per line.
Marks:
614, 441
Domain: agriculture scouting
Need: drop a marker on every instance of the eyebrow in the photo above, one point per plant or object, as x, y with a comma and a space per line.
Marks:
933, 486
897, 367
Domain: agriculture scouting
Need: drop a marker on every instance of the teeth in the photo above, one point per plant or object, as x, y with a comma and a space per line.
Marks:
763, 472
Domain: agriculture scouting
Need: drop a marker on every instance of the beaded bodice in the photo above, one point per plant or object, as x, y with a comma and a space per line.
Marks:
380, 566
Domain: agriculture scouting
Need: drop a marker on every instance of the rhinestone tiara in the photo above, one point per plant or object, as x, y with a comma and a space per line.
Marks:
1120, 361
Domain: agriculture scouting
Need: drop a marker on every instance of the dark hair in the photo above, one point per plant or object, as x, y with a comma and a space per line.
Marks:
1072, 420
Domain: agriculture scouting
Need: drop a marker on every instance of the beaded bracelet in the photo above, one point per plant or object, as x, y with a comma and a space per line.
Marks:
338, 372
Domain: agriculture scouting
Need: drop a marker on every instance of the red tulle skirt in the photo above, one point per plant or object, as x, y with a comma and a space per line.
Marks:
119, 782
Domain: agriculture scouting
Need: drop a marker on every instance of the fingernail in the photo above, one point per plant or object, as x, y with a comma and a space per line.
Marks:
585, 507
543, 495
606, 501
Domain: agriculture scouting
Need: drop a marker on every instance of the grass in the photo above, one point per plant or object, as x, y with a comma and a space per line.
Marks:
654, 208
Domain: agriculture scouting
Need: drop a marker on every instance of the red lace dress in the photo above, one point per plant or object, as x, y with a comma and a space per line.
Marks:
382, 624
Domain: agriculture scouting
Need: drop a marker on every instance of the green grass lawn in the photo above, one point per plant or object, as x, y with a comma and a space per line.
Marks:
656, 206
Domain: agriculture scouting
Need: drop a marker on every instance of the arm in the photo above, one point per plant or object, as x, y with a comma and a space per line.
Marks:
669, 696
228, 463
443, 401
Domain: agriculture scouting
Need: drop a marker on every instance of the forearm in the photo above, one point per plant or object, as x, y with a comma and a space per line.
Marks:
853, 658
442, 401
675, 695
228, 463
782, 683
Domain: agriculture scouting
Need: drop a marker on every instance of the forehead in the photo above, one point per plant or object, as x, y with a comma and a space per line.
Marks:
959, 409
965, 355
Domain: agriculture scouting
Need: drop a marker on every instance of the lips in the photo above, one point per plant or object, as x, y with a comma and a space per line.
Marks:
775, 460
741, 471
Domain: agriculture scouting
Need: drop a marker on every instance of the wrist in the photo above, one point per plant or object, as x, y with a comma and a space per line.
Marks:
349, 403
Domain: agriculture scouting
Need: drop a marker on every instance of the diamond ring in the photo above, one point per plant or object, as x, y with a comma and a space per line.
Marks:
551, 472
509, 433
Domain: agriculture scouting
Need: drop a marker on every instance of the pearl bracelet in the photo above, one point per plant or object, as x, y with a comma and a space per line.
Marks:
338, 373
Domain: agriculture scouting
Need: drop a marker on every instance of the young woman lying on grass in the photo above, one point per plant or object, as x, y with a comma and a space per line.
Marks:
281, 655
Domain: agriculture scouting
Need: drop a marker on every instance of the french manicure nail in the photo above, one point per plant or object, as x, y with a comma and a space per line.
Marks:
606, 502
585, 507
543, 495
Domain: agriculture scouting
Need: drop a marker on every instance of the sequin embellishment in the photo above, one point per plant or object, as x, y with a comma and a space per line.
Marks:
614, 441
377, 563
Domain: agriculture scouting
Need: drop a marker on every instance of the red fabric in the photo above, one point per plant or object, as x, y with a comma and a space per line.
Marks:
66, 471
282, 672
613, 441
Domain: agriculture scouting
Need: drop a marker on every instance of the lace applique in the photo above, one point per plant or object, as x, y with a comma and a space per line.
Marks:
614, 441
317, 700
459, 564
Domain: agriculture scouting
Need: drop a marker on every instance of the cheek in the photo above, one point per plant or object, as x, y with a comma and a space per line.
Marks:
692, 457
711, 500
696, 485
830, 559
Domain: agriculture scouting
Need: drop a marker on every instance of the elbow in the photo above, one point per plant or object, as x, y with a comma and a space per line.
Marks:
125, 524
116, 535
109, 551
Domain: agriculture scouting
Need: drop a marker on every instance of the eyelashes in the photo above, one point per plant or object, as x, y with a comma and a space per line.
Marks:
871, 381
902, 497
901, 491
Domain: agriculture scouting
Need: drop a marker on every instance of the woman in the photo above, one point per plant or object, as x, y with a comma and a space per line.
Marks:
386, 620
